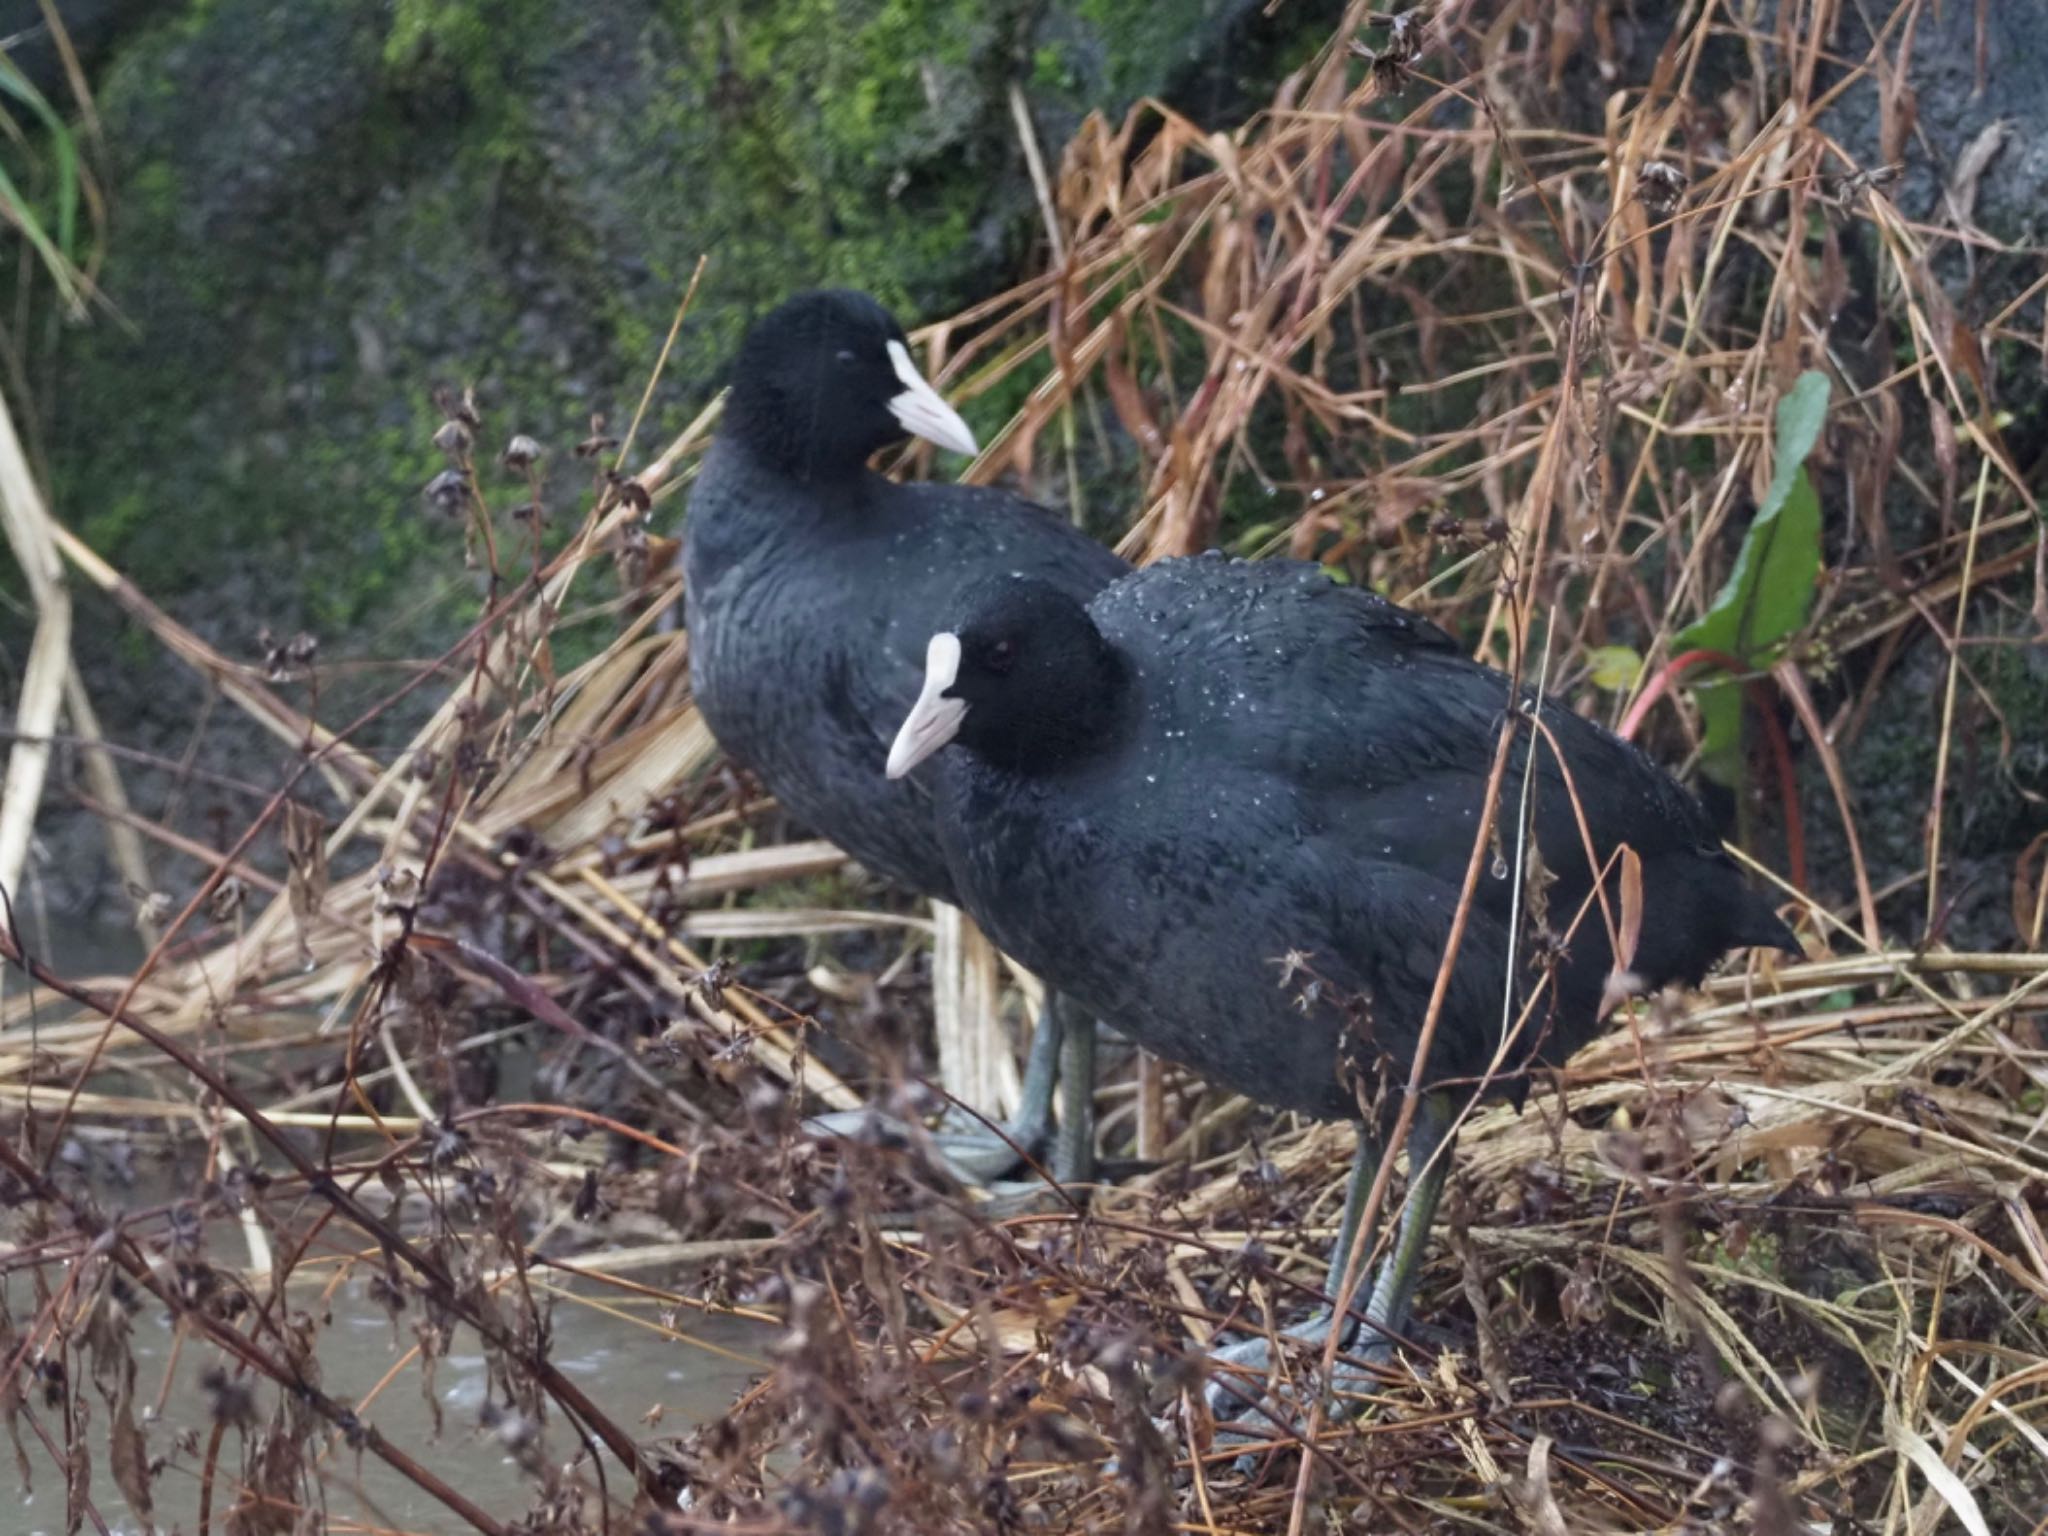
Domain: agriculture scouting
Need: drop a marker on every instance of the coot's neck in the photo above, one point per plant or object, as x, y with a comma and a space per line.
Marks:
746, 512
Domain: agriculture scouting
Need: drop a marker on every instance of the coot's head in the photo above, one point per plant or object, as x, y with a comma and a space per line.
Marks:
1024, 680
825, 379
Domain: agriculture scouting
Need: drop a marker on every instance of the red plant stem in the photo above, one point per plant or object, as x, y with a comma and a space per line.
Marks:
1672, 671
1788, 786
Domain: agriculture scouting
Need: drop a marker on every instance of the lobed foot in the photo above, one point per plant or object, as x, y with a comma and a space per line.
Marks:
1249, 1400
972, 1154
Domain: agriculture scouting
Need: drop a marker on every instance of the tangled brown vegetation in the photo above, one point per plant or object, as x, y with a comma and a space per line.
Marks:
1769, 1259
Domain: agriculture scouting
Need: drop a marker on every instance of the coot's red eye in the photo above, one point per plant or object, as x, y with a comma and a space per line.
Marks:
1000, 655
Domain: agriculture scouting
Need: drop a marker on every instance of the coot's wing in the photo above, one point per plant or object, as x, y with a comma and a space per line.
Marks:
1382, 731
1698, 906
1273, 667
1355, 696
1391, 924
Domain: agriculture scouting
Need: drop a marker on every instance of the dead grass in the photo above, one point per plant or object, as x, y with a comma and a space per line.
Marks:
1455, 322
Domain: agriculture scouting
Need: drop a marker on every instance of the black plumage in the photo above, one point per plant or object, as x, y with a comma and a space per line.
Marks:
1220, 764
1231, 805
813, 582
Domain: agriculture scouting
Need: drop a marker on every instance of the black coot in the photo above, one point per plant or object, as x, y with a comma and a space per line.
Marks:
1231, 804
813, 582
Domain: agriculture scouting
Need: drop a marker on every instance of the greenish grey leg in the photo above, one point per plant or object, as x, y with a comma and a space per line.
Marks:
974, 1153
1226, 1393
1031, 1127
1073, 1150
984, 1158
1365, 1167
1386, 1310
1429, 1168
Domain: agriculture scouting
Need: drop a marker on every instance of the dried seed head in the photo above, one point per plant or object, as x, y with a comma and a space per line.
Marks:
629, 490
284, 659
454, 439
397, 888
1407, 38
227, 899
462, 407
1583, 1299
711, 984
1851, 188
448, 493
598, 442
521, 454
1661, 186
152, 908
447, 1144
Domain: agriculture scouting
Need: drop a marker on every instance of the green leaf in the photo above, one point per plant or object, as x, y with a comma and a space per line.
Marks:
58, 253
1721, 730
1614, 667
1247, 543
1770, 591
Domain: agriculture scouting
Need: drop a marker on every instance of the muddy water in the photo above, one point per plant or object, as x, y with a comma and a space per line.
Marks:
610, 1344
625, 1368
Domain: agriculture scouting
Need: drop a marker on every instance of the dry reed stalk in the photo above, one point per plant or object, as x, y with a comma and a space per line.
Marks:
975, 1058
1412, 324
27, 522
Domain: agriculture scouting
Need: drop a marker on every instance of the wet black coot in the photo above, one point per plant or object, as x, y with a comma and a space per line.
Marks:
813, 584
1231, 804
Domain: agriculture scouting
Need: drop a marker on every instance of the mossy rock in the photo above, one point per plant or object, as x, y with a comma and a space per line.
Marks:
1996, 798
325, 210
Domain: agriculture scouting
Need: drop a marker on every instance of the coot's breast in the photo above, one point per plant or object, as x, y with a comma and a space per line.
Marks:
810, 609
799, 672
1172, 920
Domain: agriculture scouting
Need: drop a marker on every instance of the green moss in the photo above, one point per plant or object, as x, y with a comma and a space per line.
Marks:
488, 50
325, 210
1131, 35
841, 141
1052, 70
1121, 51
